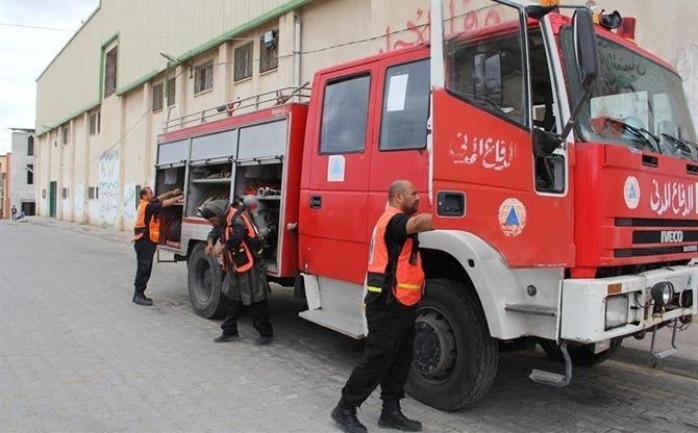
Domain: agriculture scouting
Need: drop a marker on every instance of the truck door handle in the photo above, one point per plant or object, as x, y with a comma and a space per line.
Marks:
315, 202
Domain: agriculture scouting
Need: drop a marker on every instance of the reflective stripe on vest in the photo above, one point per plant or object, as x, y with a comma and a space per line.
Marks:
153, 226
409, 276
241, 252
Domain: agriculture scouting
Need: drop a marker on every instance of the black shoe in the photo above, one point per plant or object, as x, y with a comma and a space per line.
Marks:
141, 299
263, 340
392, 417
226, 338
347, 419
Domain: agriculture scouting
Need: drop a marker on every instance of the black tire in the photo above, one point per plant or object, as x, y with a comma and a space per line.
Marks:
205, 278
582, 355
455, 358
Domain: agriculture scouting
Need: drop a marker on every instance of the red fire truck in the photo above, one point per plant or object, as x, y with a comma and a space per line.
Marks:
558, 159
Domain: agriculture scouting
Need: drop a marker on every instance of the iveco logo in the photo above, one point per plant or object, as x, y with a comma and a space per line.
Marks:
672, 236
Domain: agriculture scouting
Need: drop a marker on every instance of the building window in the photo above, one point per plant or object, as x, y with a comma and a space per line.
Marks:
345, 116
30, 145
157, 97
203, 77
94, 123
243, 62
64, 134
110, 73
93, 192
30, 174
268, 51
171, 92
64, 193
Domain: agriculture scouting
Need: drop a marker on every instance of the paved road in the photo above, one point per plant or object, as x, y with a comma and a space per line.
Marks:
77, 356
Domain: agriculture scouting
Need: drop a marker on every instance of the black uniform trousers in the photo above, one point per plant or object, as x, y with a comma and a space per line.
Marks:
145, 251
388, 353
260, 318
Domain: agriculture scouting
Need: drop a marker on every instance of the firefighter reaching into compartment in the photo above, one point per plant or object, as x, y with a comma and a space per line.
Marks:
245, 282
394, 286
147, 235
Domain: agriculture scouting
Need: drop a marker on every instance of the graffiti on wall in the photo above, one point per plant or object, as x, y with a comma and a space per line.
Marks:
109, 188
130, 202
686, 62
416, 30
79, 201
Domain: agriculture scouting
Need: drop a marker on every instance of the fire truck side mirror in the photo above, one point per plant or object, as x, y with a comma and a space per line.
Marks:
585, 46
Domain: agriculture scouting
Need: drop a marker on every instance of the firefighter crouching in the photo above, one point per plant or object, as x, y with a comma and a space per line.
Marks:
394, 286
146, 237
245, 282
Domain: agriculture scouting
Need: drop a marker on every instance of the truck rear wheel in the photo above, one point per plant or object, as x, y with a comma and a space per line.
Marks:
455, 359
205, 278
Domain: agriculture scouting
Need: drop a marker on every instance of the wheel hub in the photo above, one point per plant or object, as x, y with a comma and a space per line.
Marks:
434, 345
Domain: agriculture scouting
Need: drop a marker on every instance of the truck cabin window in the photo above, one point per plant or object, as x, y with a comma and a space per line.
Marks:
405, 107
635, 102
345, 116
489, 73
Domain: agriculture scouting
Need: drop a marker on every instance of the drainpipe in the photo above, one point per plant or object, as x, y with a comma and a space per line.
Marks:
297, 53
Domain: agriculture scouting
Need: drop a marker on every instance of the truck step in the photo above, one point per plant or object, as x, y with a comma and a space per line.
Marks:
554, 379
335, 321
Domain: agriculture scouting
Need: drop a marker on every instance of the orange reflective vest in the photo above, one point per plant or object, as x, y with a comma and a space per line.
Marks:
153, 226
241, 256
407, 275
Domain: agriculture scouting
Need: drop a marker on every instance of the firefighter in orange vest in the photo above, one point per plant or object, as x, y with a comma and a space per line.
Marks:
394, 286
245, 282
147, 235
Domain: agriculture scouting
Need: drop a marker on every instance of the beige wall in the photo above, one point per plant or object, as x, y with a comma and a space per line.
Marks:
123, 154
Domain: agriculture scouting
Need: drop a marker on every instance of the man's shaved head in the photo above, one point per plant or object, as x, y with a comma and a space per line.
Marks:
403, 195
396, 187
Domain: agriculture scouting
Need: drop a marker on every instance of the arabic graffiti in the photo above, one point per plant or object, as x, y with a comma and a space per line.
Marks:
130, 202
493, 154
109, 188
417, 29
672, 196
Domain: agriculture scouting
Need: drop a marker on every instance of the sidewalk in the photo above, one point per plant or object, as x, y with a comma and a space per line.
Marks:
121, 236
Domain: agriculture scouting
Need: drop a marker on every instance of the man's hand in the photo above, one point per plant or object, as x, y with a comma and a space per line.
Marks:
170, 201
218, 250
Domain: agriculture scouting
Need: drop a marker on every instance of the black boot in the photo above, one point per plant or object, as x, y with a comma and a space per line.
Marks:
226, 338
392, 417
263, 340
345, 416
140, 299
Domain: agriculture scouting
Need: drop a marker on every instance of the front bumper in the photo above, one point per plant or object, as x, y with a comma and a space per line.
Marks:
584, 316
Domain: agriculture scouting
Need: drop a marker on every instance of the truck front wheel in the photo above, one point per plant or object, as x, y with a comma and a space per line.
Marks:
455, 359
204, 280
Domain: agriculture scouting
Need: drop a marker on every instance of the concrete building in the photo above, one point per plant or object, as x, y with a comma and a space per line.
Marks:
5, 183
22, 194
134, 64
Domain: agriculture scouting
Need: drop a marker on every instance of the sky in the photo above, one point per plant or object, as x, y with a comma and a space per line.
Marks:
25, 51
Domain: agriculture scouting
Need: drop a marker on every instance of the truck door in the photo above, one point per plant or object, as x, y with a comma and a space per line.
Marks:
400, 150
498, 96
333, 225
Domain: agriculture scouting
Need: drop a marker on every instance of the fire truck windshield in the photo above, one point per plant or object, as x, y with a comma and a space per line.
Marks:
634, 102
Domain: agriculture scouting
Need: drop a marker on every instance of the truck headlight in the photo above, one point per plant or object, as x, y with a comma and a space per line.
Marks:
662, 294
616, 311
